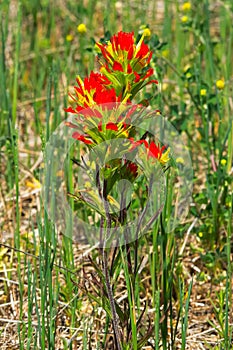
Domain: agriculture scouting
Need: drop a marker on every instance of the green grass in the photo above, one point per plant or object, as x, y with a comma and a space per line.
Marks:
54, 297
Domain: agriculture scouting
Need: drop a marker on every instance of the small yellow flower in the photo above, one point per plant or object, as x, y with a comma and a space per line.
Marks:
33, 184
81, 28
220, 84
200, 234
184, 19
203, 92
186, 6
165, 53
69, 37
223, 162
147, 32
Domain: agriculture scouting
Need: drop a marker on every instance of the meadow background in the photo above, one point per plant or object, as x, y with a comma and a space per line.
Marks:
49, 286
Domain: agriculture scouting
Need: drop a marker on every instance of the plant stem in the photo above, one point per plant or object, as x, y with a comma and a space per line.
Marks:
115, 322
111, 300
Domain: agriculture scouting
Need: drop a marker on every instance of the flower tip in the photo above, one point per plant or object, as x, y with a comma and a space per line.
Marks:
147, 32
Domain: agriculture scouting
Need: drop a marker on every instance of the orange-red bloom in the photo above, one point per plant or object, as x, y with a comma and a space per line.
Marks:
132, 168
125, 63
94, 90
82, 138
122, 50
109, 126
153, 150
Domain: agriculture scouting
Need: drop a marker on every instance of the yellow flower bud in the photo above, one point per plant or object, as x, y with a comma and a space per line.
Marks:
223, 162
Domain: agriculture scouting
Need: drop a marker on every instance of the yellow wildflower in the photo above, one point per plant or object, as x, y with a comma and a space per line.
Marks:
69, 37
81, 28
33, 184
184, 19
203, 92
223, 162
186, 6
165, 53
220, 84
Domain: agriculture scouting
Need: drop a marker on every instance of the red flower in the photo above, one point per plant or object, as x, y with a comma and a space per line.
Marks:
106, 96
117, 66
122, 48
137, 77
129, 170
154, 150
69, 110
109, 126
82, 138
132, 168
129, 69
93, 90
143, 51
135, 144
123, 41
125, 63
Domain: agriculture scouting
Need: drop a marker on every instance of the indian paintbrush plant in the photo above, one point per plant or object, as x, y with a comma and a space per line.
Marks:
124, 167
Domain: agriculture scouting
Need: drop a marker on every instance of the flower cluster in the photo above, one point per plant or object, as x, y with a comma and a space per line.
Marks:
124, 71
153, 151
126, 63
124, 67
94, 90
